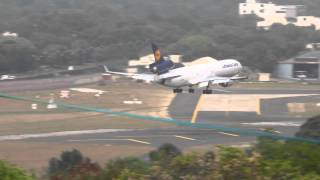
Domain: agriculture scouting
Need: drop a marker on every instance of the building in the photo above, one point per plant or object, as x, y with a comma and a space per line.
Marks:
313, 46
9, 34
305, 66
278, 14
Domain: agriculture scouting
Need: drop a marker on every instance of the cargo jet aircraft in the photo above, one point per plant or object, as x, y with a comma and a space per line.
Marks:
204, 73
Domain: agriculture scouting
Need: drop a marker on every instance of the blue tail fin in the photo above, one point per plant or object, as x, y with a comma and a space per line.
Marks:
160, 65
156, 52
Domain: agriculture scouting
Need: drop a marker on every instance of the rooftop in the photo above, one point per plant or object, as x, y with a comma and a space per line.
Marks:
311, 57
310, 54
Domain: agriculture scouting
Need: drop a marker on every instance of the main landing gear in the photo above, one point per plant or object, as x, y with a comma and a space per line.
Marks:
178, 90
207, 90
191, 90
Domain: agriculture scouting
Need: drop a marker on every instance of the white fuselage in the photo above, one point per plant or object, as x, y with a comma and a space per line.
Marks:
184, 75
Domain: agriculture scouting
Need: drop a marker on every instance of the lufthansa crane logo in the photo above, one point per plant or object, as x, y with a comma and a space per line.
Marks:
157, 55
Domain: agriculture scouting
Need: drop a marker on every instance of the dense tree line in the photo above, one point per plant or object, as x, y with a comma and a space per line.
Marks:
268, 159
311, 128
62, 32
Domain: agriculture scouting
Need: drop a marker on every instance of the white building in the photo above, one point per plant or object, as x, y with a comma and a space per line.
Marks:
9, 34
313, 46
281, 14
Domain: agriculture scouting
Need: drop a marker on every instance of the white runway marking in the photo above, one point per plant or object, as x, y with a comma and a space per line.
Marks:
229, 134
59, 134
183, 137
92, 140
143, 136
87, 90
142, 142
287, 123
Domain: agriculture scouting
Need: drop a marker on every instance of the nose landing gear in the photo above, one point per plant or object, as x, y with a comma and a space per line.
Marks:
207, 91
178, 90
191, 90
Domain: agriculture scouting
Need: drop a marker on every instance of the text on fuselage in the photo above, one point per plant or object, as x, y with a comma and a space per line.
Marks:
230, 65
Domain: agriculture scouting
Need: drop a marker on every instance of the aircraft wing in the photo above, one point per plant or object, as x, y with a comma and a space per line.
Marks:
216, 80
239, 77
143, 77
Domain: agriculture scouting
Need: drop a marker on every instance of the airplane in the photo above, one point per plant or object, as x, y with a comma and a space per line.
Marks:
205, 72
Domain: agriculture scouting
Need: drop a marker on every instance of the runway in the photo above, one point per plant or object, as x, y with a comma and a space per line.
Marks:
181, 137
182, 108
273, 112
29, 136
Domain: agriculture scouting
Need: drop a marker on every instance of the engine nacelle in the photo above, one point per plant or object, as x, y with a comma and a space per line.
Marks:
228, 84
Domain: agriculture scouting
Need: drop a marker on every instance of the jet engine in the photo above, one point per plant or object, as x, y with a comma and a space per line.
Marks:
227, 84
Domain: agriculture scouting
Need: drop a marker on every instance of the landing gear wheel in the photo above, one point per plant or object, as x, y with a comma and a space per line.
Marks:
191, 90
207, 91
177, 90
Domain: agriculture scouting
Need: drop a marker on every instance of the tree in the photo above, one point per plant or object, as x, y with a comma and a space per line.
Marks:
194, 46
125, 168
17, 54
289, 159
234, 163
164, 154
67, 161
82, 171
9, 172
75, 32
310, 129
185, 165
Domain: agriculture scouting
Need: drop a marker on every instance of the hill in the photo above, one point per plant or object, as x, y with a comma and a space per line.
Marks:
73, 32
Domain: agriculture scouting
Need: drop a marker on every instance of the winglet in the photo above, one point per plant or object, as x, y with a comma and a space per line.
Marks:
106, 68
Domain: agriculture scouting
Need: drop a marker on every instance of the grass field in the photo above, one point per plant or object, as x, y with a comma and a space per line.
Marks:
17, 117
